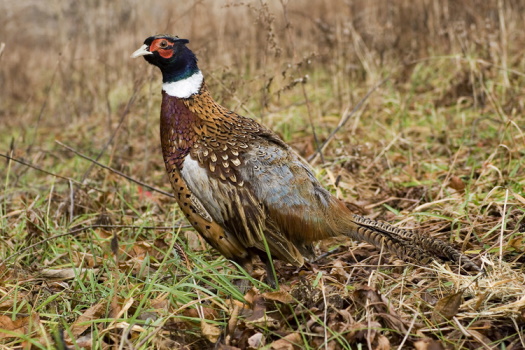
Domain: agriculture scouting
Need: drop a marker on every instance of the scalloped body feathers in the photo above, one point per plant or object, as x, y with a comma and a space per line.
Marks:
240, 185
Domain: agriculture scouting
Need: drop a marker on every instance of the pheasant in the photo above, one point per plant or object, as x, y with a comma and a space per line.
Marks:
243, 188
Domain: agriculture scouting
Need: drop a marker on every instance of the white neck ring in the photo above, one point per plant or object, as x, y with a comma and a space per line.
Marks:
186, 87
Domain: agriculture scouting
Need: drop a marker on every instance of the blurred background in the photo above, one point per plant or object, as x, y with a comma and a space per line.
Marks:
68, 61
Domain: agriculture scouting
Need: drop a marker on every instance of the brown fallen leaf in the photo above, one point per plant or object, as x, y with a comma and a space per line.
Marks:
339, 271
64, 274
208, 313
85, 341
211, 332
517, 243
251, 295
103, 233
83, 321
456, 183
142, 249
482, 339
256, 341
382, 343
365, 331
280, 296
5, 273
119, 306
86, 259
381, 305
194, 240
259, 317
447, 307
428, 344
18, 327
33, 225
114, 244
292, 341
160, 303
57, 286
232, 322
9, 300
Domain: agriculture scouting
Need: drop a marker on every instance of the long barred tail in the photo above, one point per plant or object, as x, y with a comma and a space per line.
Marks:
407, 243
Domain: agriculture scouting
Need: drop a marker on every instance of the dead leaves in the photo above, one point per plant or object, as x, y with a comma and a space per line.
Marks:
83, 322
210, 332
82, 330
292, 341
281, 321
457, 184
428, 344
64, 274
447, 307
326, 306
19, 327
280, 296
380, 306
20, 331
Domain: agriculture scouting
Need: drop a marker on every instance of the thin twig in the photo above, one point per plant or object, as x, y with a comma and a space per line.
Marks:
48, 172
502, 232
78, 230
346, 116
407, 334
445, 182
310, 120
241, 104
383, 151
115, 132
325, 312
71, 202
115, 171
44, 105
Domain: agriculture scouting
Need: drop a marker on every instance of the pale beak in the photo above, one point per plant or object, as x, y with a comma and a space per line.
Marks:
143, 51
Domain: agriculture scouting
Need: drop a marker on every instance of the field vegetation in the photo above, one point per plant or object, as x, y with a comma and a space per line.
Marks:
412, 112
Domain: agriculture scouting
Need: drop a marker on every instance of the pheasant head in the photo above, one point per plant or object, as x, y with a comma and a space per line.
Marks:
181, 76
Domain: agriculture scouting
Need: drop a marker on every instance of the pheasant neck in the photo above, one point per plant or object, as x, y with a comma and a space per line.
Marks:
186, 87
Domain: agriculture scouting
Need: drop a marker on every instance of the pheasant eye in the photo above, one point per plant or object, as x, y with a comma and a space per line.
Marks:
163, 44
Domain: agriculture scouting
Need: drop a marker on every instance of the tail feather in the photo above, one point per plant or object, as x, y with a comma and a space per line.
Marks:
407, 243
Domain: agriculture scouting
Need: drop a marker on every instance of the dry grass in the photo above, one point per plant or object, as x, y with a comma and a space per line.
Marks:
438, 146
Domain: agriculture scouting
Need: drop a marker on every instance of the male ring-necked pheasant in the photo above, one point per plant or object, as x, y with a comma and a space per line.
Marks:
240, 185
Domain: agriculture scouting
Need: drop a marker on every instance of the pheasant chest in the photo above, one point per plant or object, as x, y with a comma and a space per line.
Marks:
211, 135
179, 130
